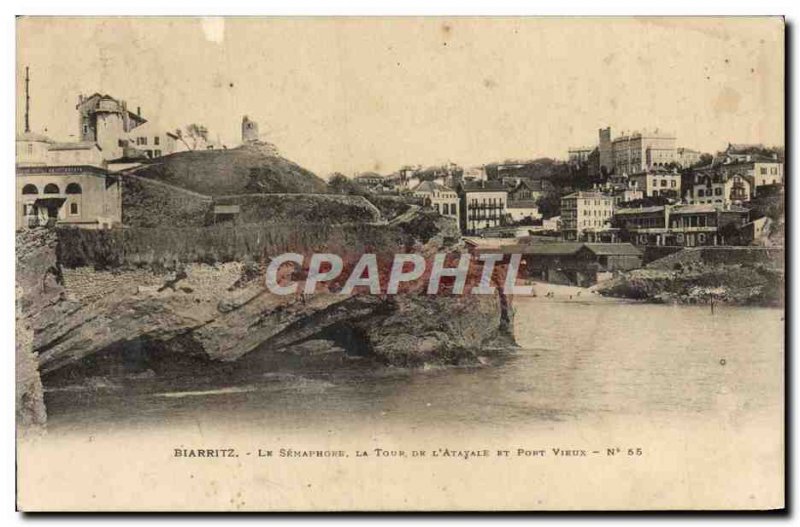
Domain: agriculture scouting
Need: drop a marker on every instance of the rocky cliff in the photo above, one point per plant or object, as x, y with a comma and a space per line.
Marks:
90, 323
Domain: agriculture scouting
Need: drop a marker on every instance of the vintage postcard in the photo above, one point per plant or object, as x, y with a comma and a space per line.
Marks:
400, 264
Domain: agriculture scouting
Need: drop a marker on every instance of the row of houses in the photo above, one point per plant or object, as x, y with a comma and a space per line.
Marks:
592, 216
482, 204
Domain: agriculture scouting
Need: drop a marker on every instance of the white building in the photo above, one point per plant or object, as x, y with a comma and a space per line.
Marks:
658, 182
522, 210
722, 190
443, 199
153, 140
483, 205
584, 212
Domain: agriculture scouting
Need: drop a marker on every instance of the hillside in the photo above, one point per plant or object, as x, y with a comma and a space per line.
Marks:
242, 170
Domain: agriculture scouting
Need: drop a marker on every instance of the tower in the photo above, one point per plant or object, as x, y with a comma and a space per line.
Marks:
249, 130
605, 151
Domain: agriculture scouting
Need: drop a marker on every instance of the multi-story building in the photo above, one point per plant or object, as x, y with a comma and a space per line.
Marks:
620, 188
443, 199
39, 150
369, 179
66, 183
758, 170
106, 121
153, 140
80, 196
585, 211
658, 182
639, 152
719, 188
680, 225
483, 205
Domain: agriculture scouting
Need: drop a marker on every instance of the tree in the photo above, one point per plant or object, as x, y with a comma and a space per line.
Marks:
549, 204
338, 183
705, 159
193, 135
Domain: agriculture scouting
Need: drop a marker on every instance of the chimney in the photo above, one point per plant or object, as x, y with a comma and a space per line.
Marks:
139, 111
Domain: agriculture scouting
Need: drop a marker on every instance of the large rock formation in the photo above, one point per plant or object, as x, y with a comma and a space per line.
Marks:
220, 317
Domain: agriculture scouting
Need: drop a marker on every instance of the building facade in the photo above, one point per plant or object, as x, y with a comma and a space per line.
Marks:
680, 225
443, 199
522, 210
483, 205
585, 211
572, 263
80, 196
106, 121
658, 182
719, 189
639, 152
152, 141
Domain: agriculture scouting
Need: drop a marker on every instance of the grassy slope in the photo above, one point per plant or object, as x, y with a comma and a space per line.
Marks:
235, 171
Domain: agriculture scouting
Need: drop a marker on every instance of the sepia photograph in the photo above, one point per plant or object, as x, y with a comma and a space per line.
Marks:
431, 263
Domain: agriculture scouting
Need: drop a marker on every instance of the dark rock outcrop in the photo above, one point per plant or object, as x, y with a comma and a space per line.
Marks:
220, 317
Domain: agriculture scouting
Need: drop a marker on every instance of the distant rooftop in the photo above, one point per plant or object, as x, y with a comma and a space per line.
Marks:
431, 186
484, 186
586, 194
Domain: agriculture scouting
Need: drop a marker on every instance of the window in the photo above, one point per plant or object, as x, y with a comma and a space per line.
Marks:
701, 193
73, 209
73, 188
29, 209
718, 191
51, 188
156, 140
763, 171
663, 182
30, 148
673, 183
30, 189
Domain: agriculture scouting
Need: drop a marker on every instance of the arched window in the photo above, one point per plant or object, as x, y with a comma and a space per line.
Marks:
51, 188
73, 188
30, 189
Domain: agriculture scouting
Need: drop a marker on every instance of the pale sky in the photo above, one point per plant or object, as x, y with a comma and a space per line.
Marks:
374, 94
